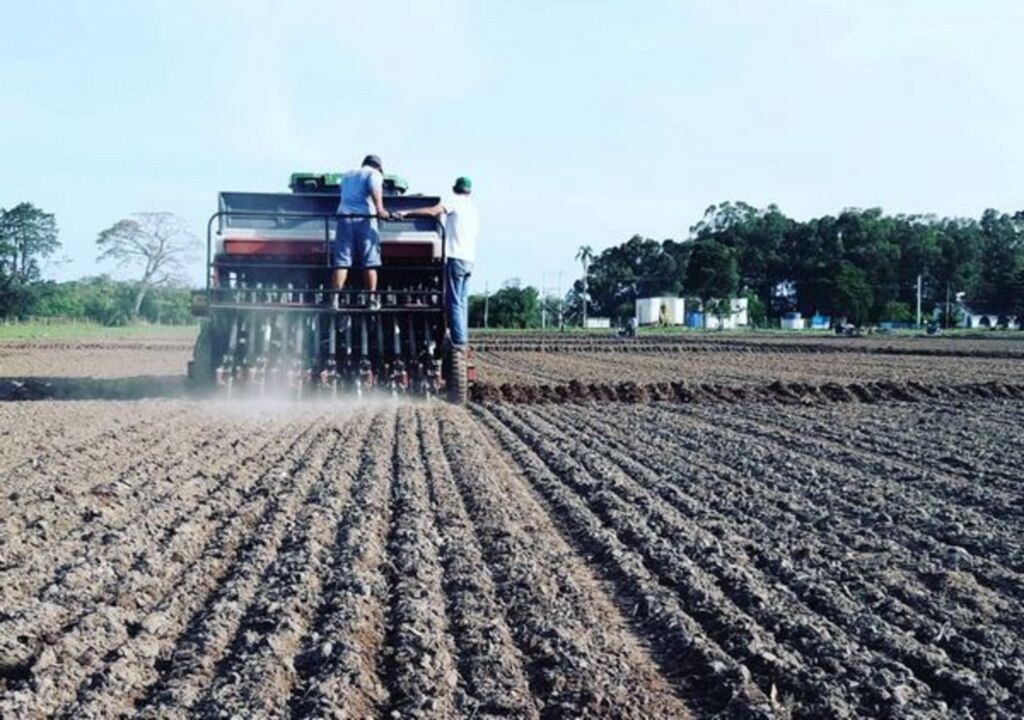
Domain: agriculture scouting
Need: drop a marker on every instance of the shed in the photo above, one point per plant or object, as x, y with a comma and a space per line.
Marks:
820, 322
980, 315
660, 311
792, 321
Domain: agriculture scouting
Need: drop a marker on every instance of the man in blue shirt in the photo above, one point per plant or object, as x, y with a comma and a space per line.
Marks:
358, 239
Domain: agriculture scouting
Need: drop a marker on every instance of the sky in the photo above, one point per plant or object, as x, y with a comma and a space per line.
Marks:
580, 122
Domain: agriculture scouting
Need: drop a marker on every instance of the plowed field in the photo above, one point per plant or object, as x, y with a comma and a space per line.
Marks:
735, 552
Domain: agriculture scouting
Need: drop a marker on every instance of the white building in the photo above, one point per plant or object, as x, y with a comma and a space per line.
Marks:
793, 321
660, 310
976, 315
738, 316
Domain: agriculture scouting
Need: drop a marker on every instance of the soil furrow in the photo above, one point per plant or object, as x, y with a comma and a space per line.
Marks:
257, 673
908, 508
93, 643
520, 560
338, 664
43, 507
867, 678
206, 593
979, 506
835, 590
736, 605
902, 444
163, 496
27, 444
672, 526
419, 657
492, 682
139, 537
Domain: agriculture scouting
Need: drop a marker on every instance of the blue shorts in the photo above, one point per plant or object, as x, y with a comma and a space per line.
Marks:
357, 240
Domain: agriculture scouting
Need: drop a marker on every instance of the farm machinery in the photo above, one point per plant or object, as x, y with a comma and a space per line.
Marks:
272, 322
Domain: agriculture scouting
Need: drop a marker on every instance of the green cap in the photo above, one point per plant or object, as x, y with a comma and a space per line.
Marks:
395, 184
463, 185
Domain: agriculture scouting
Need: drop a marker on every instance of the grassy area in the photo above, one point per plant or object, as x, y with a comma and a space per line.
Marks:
143, 331
91, 331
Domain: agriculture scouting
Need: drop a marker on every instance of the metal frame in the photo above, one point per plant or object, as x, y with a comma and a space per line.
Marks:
327, 218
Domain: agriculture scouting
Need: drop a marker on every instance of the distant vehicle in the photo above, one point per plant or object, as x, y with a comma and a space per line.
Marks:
848, 330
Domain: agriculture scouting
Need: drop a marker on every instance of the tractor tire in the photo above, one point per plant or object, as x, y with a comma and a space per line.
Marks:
457, 381
206, 354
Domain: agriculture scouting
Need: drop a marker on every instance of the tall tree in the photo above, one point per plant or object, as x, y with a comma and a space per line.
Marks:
158, 243
711, 274
639, 267
27, 235
756, 237
584, 256
1002, 252
852, 296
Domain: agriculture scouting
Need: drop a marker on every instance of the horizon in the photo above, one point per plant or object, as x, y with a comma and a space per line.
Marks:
584, 126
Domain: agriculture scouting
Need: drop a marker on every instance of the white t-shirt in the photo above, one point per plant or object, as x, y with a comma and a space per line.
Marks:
461, 227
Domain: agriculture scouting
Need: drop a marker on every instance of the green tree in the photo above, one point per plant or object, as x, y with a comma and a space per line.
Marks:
852, 294
898, 312
639, 267
757, 314
1017, 302
27, 235
476, 310
711, 274
757, 238
1002, 253
168, 305
514, 307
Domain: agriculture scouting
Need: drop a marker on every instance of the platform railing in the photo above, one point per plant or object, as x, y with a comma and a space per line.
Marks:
326, 219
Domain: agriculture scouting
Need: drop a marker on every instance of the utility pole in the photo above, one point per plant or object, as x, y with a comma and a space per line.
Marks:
543, 304
561, 300
545, 295
947, 305
487, 302
919, 302
585, 289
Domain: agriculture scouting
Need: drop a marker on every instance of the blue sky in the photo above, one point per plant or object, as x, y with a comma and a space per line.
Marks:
580, 122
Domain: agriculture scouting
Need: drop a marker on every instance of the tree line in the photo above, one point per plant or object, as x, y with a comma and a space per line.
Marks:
861, 265
154, 245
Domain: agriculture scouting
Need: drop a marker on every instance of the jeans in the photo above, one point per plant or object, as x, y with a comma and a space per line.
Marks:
458, 300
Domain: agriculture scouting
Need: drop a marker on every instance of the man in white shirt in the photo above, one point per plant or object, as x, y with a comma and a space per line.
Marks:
461, 228
357, 239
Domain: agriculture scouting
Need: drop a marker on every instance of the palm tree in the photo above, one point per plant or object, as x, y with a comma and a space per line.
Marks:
585, 254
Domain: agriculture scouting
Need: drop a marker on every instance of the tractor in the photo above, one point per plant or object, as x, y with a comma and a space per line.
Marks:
272, 323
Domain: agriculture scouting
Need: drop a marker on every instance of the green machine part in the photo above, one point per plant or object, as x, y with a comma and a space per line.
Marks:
307, 182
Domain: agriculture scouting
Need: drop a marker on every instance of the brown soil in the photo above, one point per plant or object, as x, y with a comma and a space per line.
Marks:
787, 393
740, 367
631, 547
975, 345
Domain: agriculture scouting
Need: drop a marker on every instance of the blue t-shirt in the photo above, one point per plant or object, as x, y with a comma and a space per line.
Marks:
357, 187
